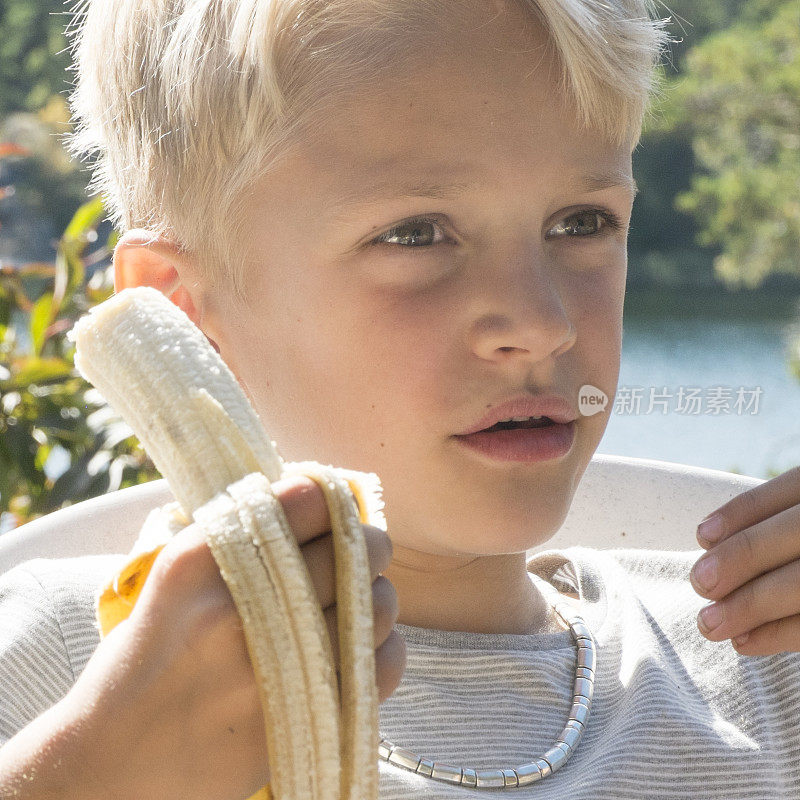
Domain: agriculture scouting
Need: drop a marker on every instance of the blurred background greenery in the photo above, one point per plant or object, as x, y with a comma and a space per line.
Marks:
713, 278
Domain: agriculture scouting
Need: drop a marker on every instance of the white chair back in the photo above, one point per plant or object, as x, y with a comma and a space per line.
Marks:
644, 503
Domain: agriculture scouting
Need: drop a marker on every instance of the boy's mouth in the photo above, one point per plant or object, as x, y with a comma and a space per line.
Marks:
531, 440
522, 412
542, 422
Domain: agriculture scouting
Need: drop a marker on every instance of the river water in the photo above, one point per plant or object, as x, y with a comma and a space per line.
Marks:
713, 347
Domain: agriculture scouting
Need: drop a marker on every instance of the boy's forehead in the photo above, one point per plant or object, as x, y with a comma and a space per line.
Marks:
439, 150
453, 119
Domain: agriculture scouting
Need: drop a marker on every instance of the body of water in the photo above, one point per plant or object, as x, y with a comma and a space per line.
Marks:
702, 343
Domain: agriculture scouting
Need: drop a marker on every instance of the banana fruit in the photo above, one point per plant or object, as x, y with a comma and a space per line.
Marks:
159, 372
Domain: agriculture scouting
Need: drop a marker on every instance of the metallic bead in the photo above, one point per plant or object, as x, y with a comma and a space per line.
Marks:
544, 767
384, 748
491, 778
446, 772
582, 631
555, 757
579, 699
404, 758
579, 713
425, 767
583, 687
528, 774
510, 776
469, 778
570, 736
587, 658
583, 672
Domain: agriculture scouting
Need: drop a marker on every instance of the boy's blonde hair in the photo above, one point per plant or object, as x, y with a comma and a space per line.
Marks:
186, 103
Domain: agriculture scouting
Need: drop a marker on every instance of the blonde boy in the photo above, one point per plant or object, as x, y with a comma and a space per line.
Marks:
392, 219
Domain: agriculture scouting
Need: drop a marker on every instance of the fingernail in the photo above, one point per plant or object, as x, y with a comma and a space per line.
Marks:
710, 617
710, 529
741, 638
705, 572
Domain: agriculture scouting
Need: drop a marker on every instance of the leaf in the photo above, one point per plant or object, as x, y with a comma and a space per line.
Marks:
41, 317
69, 271
42, 455
85, 219
37, 370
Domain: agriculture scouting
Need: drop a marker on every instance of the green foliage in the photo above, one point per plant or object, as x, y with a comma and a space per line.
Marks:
739, 99
694, 21
663, 238
661, 242
44, 402
33, 53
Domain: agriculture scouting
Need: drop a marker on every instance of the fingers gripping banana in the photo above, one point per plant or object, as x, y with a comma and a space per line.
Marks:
159, 372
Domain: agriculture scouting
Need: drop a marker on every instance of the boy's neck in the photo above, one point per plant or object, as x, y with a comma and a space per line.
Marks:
487, 594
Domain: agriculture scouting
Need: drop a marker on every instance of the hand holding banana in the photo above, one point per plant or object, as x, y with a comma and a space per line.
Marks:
160, 373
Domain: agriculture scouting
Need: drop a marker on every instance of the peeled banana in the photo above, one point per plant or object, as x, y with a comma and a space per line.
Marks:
159, 372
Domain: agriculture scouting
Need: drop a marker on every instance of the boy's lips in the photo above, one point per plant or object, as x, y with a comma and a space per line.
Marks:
523, 445
553, 406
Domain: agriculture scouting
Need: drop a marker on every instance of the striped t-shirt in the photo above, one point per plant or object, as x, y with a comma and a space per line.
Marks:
673, 716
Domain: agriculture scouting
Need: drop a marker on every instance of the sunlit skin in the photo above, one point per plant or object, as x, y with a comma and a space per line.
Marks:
372, 356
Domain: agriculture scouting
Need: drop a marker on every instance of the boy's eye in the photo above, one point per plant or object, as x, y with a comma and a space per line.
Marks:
424, 232
587, 223
412, 233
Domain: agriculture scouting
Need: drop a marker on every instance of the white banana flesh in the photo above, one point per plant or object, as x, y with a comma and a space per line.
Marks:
159, 372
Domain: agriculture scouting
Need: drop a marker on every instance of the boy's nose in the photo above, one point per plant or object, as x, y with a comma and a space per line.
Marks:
526, 317
535, 345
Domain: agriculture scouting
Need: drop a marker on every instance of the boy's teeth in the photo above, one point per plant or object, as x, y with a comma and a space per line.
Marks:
520, 422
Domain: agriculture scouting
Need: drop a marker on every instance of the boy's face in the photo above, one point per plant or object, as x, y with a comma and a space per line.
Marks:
371, 356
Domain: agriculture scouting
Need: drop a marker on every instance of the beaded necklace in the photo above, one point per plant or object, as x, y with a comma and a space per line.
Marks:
550, 761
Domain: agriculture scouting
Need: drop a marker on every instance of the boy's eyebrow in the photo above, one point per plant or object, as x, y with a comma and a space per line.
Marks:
598, 182
399, 187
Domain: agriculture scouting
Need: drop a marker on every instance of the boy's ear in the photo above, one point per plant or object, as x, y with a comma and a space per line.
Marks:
141, 259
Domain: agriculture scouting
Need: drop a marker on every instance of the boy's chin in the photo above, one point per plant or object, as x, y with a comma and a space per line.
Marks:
504, 536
